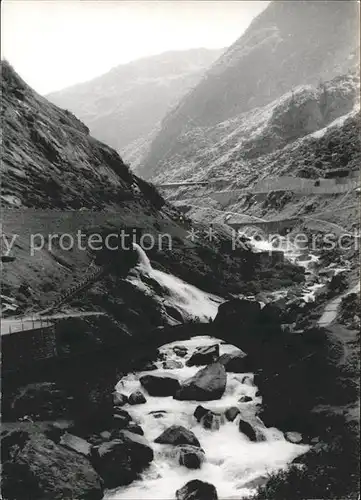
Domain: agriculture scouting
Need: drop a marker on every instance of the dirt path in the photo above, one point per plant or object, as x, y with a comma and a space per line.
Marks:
331, 308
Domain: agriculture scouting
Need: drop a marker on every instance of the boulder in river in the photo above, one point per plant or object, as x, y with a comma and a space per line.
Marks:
197, 490
232, 413
34, 467
247, 429
75, 443
142, 452
122, 413
199, 412
204, 355
137, 398
208, 418
236, 362
119, 399
158, 413
212, 420
293, 437
105, 435
113, 463
119, 422
119, 461
208, 384
245, 399
131, 427
180, 350
172, 364
160, 385
121, 418
191, 457
177, 435
135, 428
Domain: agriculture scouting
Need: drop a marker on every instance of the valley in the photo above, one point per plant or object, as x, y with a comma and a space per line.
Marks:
180, 315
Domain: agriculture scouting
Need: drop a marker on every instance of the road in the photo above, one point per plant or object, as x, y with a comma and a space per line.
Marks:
330, 311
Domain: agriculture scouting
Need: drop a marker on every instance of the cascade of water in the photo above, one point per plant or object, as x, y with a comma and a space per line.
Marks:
143, 260
192, 302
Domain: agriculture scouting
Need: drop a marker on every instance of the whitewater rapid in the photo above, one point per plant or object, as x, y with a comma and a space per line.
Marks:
232, 460
294, 254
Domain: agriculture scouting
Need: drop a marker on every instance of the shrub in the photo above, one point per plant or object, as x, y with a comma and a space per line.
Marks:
329, 471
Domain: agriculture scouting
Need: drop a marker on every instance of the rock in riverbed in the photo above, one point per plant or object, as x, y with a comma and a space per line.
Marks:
204, 355
75, 443
34, 467
137, 398
247, 429
208, 418
232, 413
171, 364
180, 350
131, 427
160, 385
178, 435
119, 399
199, 412
191, 457
293, 437
121, 418
245, 399
119, 461
197, 490
207, 384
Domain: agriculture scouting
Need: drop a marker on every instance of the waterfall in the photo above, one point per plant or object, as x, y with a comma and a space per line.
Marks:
190, 301
143, 260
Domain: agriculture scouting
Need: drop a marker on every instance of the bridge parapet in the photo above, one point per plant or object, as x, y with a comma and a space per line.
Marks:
22, 348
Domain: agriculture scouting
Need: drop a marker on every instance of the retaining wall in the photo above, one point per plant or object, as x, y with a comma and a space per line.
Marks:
21, 349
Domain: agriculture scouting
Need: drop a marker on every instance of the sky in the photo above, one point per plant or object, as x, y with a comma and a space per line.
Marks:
53, 44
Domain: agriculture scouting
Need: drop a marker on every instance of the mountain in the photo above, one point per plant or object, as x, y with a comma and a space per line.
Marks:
290, 44
119, 307
58, 179
124, 107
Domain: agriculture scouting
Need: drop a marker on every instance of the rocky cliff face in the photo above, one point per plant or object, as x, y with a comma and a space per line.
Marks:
305, 135
50, 160
289, 44
124, 107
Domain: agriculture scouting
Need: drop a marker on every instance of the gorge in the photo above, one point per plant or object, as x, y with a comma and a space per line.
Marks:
216, 355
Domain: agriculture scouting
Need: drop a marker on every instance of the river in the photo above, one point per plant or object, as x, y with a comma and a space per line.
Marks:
232, 461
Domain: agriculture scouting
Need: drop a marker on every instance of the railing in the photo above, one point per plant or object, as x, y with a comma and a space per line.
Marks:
76, 288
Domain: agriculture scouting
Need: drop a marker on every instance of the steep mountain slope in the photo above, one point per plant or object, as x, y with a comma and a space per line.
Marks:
50, 162
270, 164
287, 45
124, 107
